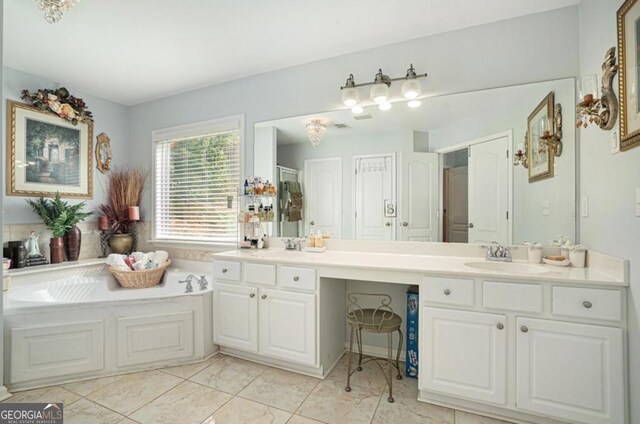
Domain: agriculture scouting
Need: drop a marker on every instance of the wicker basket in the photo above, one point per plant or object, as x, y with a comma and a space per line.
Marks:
140, 279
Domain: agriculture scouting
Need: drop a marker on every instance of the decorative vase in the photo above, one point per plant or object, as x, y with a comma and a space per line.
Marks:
121, 243
72, 241
56, 246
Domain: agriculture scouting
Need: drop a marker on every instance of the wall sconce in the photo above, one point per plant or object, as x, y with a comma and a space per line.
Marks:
553, 142
601, 111
379, 94
521, 154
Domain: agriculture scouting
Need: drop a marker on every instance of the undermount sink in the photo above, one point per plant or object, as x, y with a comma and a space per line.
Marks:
508, 267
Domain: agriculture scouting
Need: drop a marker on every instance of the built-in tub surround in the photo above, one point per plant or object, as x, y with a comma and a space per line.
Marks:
521, 342
73, 322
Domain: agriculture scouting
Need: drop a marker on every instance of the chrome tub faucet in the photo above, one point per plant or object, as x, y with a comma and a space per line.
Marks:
202, 282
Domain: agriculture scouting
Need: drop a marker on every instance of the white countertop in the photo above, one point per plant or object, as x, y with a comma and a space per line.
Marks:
426, 264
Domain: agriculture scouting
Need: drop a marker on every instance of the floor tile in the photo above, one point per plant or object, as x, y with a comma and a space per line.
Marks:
84, 411
370, 377
243, 411
330, 403
187, 403
299, 419
127, 421
281, 389
52, 394
407, 410
133, 391
189, 370
84, 388
468, 418
229, 374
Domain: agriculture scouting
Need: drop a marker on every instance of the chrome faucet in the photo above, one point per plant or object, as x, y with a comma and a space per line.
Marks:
292, 243
498, 253
202, 282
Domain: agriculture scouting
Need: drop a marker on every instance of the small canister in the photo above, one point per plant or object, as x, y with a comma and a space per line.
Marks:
578, 256
535, 252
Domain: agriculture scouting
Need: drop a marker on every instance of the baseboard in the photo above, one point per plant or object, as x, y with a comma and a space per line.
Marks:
4, 393
378, 352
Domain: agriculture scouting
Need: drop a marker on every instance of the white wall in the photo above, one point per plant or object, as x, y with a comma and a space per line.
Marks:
609, 180
109, 117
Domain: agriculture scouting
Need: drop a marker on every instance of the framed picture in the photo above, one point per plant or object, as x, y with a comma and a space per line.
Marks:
46, 154
539, 159
629, 76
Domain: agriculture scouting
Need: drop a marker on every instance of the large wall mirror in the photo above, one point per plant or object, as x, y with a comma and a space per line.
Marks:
443, 171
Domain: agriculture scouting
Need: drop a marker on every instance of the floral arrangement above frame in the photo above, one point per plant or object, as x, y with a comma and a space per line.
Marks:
47, 153
540, 159
629, 77
60, 102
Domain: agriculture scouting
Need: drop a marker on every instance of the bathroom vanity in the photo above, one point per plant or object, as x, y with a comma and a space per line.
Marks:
517, 341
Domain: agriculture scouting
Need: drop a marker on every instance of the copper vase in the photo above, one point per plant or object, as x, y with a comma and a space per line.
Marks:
72, 241
56, 247
120, 243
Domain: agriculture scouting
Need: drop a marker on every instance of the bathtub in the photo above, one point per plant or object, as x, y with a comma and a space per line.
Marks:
74, 324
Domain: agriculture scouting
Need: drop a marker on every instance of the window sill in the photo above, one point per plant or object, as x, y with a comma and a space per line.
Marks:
197, 245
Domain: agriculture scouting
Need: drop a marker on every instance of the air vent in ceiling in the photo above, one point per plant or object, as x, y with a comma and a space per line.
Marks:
363, 116
341, 125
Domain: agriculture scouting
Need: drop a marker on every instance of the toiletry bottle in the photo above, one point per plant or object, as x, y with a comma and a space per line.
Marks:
246, 186
311, 239
319, 241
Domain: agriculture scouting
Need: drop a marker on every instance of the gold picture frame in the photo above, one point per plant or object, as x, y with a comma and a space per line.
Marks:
629, 64
47, 154
540, 159
103, 153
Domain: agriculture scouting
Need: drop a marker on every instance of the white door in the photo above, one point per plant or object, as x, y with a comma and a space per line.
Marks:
418, 194
489, 168
374, 197
323, 196
288, 325
456, 204
570, 371
235, 316
465, 354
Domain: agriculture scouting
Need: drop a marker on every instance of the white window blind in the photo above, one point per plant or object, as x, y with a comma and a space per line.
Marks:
197, 175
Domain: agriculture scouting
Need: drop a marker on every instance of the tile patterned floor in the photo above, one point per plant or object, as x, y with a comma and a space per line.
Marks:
226, 390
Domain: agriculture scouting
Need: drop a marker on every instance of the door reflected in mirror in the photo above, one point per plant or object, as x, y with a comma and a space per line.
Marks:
444, 171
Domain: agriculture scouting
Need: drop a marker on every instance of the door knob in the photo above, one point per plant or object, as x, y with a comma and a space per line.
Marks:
587, 304
252, 295
312, 223
524, 329
470, 225
447, 292
387, 224
296, 278
500, 326
264, 296
224, 270
405, 224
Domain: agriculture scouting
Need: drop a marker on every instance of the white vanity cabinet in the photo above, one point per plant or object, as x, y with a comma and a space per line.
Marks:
265, 315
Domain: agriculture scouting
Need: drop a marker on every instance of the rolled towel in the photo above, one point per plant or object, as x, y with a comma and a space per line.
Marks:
152, 256
161, 257
117, 261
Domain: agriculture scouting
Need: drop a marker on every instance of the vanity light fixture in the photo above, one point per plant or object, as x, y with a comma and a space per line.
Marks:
350, 96
384, 106
52, 9
315, 131
380, 89
601, 111
411, 88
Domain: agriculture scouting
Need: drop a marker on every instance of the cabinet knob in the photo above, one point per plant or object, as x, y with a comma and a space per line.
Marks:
264, 296
405, 224
470, 225
587, 304
387, 224
296, 278
252, 295
524, 329
500, 326
313, 223
224, 270
447, 292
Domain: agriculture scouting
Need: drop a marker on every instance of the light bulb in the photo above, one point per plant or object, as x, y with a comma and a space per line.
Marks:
357, 110
411, 88
350, 96
384, 106
414, 103
380, 93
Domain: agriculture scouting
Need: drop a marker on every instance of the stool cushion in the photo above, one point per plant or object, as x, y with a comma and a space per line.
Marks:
374, 320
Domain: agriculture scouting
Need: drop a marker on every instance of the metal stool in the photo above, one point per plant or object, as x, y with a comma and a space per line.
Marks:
374, 320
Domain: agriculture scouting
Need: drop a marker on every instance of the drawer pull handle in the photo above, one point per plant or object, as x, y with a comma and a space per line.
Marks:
296, 278
500, 326
224, 270
524, 329
447, 292
587, 304
264, 296
252, 295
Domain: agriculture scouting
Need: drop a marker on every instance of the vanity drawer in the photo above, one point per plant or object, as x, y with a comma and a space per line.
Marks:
451, 291
588, 303
512, 296
297, 278
226, 270
260, 274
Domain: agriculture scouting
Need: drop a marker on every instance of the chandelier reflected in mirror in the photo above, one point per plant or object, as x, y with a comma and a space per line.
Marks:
315, 130
52, 9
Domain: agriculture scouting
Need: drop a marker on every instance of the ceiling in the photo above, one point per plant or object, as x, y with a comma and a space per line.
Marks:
133, 51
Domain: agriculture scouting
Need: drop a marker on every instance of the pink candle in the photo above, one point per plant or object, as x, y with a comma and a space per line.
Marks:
103, 223
588, 98
134, 213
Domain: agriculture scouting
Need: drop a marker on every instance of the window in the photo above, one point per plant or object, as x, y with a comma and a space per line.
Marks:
197, 175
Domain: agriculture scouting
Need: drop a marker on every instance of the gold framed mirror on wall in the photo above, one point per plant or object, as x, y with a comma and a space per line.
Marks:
540, 159
103, 153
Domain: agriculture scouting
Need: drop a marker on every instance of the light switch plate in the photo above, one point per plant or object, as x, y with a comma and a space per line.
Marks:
545, 208
584, 207
615, 142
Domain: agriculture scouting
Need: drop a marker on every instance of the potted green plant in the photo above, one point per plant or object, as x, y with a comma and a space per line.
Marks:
62, 219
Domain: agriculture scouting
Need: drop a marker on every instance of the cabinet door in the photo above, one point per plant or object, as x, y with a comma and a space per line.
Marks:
235, 316
288, 325
465, 354
570, 371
